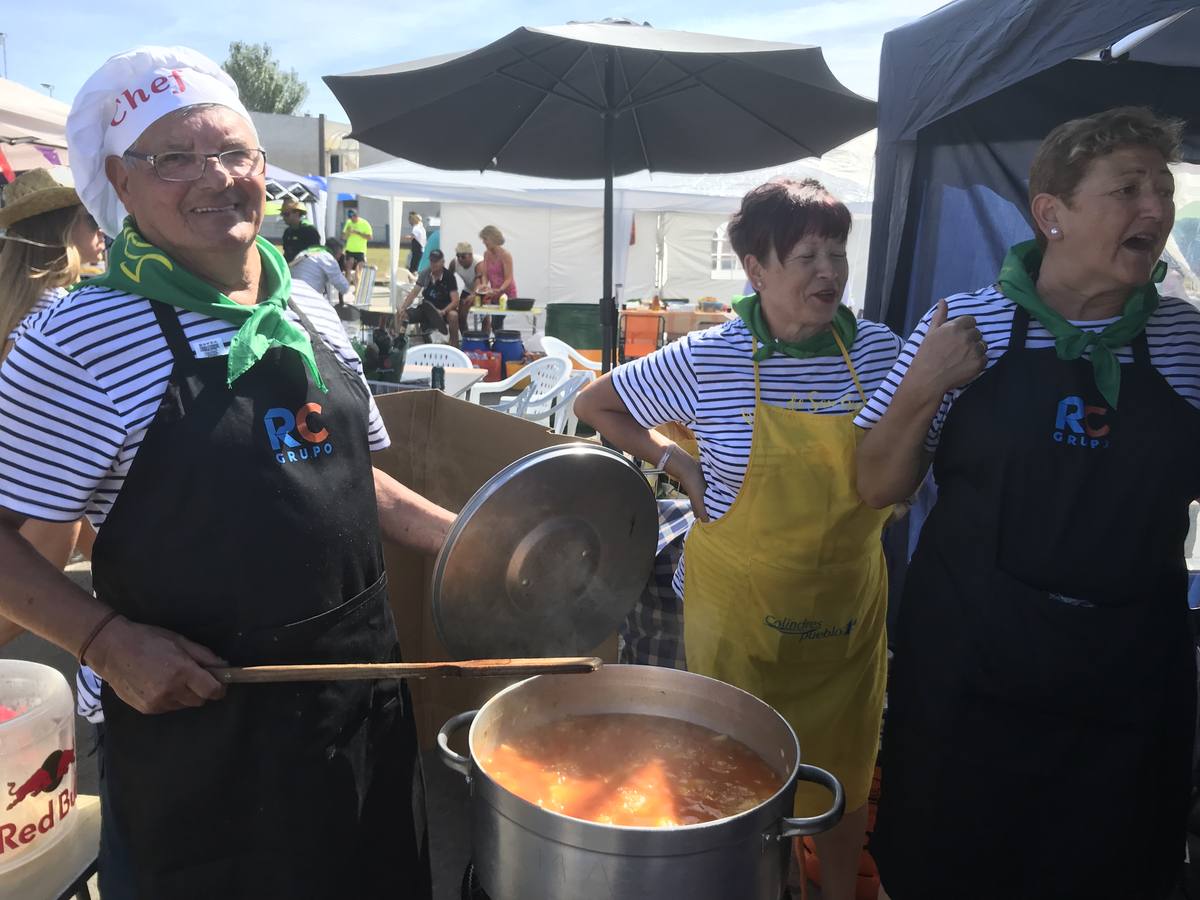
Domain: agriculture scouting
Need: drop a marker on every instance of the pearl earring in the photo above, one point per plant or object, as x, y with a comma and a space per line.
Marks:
1055, 232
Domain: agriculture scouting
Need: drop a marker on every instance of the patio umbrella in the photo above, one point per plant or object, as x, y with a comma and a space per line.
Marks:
600, 99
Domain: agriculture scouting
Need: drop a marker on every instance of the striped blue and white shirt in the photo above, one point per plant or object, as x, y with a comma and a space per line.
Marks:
1172, 334
706, 382
81, 387
321, 271
49, 297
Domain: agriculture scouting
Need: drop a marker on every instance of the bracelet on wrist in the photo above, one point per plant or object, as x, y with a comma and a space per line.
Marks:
112, 614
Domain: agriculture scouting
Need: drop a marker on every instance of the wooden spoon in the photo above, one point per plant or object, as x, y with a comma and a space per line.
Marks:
510, 668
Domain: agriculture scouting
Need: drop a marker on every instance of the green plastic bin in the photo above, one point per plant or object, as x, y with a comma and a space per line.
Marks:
578, 324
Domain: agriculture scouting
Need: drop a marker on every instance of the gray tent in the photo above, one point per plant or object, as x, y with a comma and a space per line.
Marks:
600, 99
965, 95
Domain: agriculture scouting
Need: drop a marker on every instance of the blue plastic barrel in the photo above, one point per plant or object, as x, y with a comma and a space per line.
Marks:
475, 340
510, 346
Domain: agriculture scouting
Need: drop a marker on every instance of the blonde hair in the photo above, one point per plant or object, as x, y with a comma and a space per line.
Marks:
492, 233
28, 271
414, 217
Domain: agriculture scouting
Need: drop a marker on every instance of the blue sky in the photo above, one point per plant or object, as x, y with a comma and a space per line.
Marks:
62, 43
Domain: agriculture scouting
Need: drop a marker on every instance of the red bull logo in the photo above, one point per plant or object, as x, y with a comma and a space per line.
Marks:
45, 779
35, 819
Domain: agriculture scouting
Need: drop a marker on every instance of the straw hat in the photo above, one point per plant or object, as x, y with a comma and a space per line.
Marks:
290, 205
37, 191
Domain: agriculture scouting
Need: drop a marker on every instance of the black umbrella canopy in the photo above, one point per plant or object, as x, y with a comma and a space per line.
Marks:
682, 102
598, 99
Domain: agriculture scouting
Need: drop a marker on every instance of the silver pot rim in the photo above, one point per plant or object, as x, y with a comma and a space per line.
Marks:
730, 824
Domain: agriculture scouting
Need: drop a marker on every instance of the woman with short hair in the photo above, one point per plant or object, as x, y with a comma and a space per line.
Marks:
782, 578
1041, 712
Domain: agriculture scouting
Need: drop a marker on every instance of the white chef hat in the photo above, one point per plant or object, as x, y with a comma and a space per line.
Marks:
127, 95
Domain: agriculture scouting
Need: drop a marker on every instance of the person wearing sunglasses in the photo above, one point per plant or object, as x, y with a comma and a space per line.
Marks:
208, 415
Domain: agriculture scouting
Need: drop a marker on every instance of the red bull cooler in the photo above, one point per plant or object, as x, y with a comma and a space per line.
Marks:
37, 761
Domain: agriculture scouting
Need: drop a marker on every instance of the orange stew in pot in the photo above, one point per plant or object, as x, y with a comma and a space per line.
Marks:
625, 769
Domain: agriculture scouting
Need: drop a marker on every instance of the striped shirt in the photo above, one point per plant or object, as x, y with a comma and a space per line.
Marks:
319, 270
49, 297
79, 391
83, 384
1172, 334
706, 382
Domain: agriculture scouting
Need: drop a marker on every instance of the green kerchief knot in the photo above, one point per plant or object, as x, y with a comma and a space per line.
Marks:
139, 267
844, 324
1018, 281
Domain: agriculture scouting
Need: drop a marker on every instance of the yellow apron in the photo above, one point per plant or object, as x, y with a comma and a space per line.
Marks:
785, 595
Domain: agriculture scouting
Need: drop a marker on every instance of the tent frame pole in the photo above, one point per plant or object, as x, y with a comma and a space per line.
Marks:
608, 307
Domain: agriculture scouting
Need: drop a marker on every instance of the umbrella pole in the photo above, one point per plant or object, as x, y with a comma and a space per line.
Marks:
608, 308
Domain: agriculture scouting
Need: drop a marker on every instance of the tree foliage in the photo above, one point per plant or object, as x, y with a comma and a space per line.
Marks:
263, 85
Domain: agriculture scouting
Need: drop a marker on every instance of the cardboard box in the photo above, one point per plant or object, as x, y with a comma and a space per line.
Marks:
445, 449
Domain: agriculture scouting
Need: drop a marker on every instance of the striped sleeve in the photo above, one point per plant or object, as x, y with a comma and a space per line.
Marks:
661, 387
87, 695
60, 433
878, 403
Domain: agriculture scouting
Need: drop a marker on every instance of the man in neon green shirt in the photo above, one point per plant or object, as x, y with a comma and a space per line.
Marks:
356, 233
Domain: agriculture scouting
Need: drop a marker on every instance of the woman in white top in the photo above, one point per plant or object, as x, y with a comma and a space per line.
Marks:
416, 246
48, 237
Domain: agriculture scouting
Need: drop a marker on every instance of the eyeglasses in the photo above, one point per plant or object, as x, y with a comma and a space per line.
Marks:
462, 255
183, 166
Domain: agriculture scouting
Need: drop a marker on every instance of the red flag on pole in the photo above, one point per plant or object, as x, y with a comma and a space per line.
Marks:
5, 169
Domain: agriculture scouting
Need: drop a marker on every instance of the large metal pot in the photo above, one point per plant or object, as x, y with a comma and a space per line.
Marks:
524, 852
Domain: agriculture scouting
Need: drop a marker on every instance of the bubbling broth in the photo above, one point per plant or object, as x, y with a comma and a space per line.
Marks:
626, 769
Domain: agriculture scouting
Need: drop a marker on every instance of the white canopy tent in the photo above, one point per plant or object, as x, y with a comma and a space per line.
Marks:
666, 224
33, 127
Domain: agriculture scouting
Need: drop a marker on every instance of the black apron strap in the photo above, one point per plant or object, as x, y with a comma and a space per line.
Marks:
168, 320
1020, 327
1141, 350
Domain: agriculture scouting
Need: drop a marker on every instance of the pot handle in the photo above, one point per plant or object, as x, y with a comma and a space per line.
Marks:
790, 828
456, 761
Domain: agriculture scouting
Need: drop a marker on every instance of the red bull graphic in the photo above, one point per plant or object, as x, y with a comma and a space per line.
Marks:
45, 779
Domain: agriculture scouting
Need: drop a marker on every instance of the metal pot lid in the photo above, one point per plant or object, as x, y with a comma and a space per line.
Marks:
548, 557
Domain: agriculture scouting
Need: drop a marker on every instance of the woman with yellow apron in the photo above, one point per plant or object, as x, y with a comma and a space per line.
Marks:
783, 580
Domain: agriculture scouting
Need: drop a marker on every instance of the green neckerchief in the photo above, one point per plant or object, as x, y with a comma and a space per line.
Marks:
749, 309
137, 266
1018, 281
315, 248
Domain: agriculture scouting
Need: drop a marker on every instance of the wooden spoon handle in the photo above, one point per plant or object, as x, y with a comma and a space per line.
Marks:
510, 668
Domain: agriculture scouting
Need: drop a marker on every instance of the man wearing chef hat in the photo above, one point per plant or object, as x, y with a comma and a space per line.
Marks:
209, 417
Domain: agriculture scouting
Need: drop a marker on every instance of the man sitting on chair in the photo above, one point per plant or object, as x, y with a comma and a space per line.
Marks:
439, 295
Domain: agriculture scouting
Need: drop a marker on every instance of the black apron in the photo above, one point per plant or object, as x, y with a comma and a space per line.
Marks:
248, 523
1041, 707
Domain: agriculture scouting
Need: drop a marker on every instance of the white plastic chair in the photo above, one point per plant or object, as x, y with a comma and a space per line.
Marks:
366, 286
444, 355
545, 376
555, 347
556, 409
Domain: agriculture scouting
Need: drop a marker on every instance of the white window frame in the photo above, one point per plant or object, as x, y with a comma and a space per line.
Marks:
725, 263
